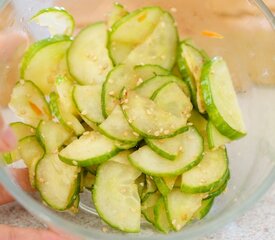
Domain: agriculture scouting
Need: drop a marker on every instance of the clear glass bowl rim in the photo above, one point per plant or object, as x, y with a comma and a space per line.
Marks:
57, 222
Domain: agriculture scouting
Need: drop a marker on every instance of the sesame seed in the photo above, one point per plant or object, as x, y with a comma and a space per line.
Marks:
104, 229
124, 107
162, 57
148, 112
86, 133
157, 133
161, 130
163, 24
173, 9
22, 81
126, 100
141, 184
166, 131
175, 24
111, 81
180, 148
74, 163
136, 134
111, 93
174, 221
123, 190
95, 58
69, 123
149, 131
84, 112
130, 120
125, 134
42, 180
139, 81
178, 227
190, 124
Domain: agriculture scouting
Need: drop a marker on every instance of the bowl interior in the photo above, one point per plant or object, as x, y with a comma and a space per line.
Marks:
248, 47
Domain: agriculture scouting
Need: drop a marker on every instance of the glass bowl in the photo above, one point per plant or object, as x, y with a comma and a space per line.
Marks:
247, 44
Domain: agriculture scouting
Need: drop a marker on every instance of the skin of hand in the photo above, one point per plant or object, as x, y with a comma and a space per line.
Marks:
7, 143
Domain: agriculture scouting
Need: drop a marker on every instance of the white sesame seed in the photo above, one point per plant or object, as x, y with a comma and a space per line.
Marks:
166, 131
130, 120
157, 133
136, 134
69, 123
174, 221
190, 124
86, 133
74, 163
22, 81
104, 229
178, 227
84, 112
139, 81
111, 81
111, 93
180, 148
173, 9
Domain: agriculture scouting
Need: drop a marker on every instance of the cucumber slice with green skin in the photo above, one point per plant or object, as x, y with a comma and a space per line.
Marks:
118, 78
64, 87
205, 208
181, 207
172, 99
153, 164
31, 152
52, 135
88, 58
161, 217
208, 174
149, 188
56, 19
125, 145
90, 149
29, 103
67, 119
140, 23
190, 62
160, 47
57, 182
215, 138
22, 130
141, 183
115, 196
218, 191
162, 187
168, 148
221, 100
148, 71
6, 157
148, 87
147, 207
148, 119
87, 100
118, 11
40, 63
116, 127
75, 206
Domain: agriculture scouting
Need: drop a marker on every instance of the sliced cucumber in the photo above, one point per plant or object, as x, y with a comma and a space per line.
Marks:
149, 188
148, 87
218, 191
87, 100
148, 119
162, 187
64, 87
125, 145
31, 152
118, 11
92, 169
215, 138
22, 130
161, 217
66, 118
153, 164
147, 207
56, 19
168, 148
122, 76
206, 206
148, 71
181, 207
141, 184
57, 182
190, 61
28, 103
41, 62
52, 135
221, 100
160, 47
88, 58
208, 174
90, 149
131, 30
116, 127
172, 99
115, 196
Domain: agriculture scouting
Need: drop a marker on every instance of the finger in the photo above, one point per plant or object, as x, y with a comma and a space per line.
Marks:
21, 176
13, 233
7, 138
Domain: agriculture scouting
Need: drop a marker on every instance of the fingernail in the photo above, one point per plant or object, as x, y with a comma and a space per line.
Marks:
9, 138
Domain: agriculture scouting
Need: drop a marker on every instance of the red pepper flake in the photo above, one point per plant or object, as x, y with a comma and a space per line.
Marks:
36, 109
212, 34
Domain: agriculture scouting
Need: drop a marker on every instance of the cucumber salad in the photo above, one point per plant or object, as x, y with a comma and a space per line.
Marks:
127, 110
